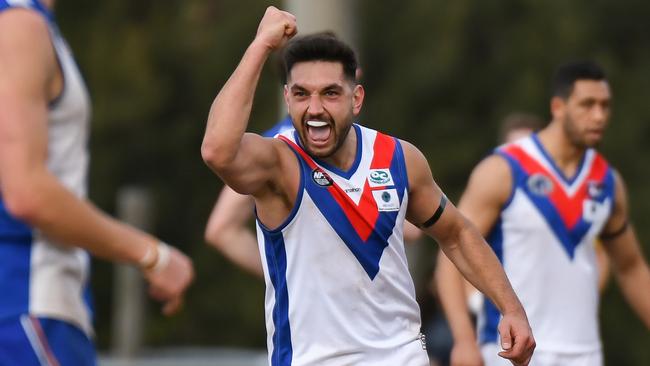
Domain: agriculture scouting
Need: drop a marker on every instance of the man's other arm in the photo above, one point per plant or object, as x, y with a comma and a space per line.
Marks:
466, 248
628, 264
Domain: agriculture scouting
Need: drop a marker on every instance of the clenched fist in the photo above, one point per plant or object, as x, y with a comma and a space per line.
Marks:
276, 28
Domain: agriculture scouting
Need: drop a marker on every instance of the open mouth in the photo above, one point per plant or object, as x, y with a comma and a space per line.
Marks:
318, 131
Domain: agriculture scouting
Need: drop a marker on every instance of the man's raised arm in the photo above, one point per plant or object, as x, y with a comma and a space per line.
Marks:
244, 161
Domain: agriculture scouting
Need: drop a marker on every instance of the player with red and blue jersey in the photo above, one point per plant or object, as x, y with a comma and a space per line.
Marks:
331, 199
542, 202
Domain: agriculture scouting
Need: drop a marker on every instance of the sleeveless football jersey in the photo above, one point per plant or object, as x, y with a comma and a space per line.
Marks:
38, 276
338, 286
545, 239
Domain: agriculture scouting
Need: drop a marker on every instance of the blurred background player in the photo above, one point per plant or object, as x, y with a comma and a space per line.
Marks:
515, 126
46, 224
542, 202
439, 337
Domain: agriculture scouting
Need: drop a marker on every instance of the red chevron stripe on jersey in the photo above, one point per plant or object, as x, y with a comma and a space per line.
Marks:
363, 216
569, 208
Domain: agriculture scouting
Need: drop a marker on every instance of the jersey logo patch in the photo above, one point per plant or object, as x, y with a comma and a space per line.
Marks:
321, 178
386, 200
595, 189
380, 178
540, 184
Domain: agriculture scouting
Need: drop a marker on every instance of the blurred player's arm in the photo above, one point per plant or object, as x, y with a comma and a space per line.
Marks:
227, 230
412, 233
628, 264
449, 283
28, 82
246, 162
469, 252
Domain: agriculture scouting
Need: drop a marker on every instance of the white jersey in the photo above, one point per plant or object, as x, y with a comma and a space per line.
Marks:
338, 286
43, 278
545, 238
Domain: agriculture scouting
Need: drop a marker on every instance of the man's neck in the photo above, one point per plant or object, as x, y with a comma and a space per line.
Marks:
566, 155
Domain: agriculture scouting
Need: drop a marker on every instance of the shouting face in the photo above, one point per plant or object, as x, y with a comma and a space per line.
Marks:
322, 103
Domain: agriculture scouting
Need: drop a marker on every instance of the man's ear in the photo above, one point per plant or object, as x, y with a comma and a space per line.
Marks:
286, 96
357, 99
558, 107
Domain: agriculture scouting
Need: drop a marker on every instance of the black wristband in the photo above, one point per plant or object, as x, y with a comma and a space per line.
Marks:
437, 214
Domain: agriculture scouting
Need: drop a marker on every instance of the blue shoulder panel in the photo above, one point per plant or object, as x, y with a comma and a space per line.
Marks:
35, 5
282, 125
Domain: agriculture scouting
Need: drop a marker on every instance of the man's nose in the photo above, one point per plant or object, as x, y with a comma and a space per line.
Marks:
600, 113
315, 105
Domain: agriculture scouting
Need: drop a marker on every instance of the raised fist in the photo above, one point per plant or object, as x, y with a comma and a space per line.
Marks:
276, 28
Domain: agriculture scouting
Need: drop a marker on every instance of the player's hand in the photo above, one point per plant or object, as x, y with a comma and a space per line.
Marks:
466, 353
517, 339
168, 282
276, 28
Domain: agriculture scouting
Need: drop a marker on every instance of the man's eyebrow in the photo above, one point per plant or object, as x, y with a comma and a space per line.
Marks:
297, 87
333, 86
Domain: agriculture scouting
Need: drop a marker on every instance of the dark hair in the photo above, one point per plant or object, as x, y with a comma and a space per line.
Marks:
323, 46
567, 74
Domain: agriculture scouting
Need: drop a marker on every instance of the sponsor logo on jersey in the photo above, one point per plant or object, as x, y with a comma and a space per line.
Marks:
593, 211
595, 189
540, 184
321, 178
353, 190
386, 199
380, 177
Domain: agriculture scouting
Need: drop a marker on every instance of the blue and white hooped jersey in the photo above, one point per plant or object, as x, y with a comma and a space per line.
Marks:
37, 276
545, 238
338, 287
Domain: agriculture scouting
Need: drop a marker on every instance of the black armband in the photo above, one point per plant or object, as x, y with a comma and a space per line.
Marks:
616, 233
437, 214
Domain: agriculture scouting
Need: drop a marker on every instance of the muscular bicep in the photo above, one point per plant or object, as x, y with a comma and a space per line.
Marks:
256, 165
428, 207
424, 193
488, 189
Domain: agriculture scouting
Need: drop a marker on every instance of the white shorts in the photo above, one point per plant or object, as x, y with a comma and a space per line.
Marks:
411, 354
544, 358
